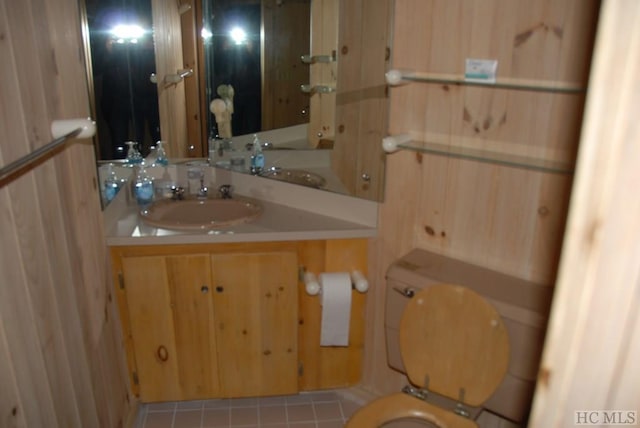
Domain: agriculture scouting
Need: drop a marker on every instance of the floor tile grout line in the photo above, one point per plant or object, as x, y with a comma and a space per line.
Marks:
315, 415
286, 414
258, 411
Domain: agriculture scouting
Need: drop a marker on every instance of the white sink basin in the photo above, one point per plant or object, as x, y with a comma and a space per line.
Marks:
201, 214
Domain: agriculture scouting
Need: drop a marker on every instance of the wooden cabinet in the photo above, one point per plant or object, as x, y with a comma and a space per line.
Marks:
232, 320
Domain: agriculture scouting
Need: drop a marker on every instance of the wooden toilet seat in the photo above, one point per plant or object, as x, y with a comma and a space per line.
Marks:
453, 343
402, 406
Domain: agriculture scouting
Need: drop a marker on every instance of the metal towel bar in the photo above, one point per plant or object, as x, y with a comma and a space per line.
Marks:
86, 127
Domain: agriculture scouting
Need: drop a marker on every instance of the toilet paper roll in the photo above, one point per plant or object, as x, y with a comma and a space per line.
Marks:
336, 308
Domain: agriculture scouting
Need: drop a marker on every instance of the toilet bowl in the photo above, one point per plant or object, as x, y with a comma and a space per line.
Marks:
467, 338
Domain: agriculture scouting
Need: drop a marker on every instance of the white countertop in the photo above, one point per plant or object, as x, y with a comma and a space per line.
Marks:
290, 212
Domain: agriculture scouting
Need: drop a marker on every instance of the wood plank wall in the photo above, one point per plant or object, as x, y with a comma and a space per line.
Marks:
167, 35
61, 363
362, 106
591, 359
508, 219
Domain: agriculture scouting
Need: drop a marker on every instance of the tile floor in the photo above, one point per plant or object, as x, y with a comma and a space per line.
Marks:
327, 409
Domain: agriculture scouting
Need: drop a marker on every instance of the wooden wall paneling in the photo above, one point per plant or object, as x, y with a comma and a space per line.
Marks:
26, 359
100, 383
344, 154
396, 236
554, 40
171, 99
593, 341
286, 27
76, 174
324, 40
10, 402
492, 215
117, 408
35, 233
373, 104
54, 310
191, 60
550, 219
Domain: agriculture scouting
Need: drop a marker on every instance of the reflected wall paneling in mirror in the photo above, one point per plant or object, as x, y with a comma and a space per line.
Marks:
169, 59
324, 42
190, 14
255, 46
361, 109
283, 103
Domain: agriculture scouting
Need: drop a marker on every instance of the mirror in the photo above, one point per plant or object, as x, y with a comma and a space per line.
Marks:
286, 115
122, 60
255, 46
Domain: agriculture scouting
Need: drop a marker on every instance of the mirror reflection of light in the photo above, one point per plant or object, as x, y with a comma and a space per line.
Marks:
238, 35
124, 33
206, 33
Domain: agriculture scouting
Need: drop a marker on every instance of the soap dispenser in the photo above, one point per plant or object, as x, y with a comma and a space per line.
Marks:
143, 188
161, 154
257, 157
111, 184
133, 155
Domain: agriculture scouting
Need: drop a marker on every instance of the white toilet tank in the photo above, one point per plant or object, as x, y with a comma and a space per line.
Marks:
523, 305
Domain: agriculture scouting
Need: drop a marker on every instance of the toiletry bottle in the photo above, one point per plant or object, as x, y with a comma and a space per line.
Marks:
212, 146
161, 154
143, 187
133, 155
111, 184
257, 157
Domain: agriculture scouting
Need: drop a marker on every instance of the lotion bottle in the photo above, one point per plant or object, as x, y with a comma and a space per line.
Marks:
111, 184
161, 154
143, 188
257, 157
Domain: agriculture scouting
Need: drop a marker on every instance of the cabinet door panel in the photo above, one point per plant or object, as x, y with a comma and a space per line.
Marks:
149, 302
171, 325
193, 319
255, 301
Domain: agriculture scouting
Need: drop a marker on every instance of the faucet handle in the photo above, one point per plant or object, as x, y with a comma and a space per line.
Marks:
177, 193
225, 191
202, 192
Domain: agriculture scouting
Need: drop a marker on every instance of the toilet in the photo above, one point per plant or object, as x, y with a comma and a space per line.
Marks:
469, 340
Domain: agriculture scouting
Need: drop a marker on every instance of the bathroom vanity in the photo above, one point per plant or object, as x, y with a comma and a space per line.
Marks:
224, 313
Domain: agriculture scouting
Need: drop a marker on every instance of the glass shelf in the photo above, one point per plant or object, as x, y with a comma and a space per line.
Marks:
489, 156
500, 83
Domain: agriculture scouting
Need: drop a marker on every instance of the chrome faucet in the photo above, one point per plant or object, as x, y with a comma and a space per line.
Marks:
202, 193
177, 193
225, 191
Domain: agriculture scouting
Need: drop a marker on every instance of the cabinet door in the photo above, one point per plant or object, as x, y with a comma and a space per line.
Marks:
171, 318
255, 300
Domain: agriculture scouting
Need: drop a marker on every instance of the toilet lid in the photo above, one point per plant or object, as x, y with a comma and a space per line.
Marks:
455, 338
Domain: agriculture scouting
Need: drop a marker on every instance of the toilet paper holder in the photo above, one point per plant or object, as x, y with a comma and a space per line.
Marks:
312, 285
